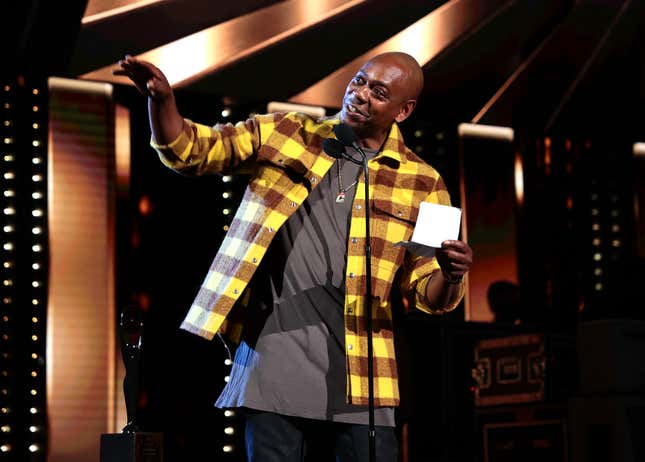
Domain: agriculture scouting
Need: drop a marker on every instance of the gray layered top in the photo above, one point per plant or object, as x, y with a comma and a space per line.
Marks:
291, 359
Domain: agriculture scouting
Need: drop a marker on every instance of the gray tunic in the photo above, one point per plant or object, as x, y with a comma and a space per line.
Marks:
291, 359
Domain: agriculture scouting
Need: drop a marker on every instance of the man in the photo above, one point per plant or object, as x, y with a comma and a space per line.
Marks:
288, 281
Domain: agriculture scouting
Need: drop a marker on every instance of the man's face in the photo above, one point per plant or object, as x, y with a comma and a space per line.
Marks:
375, 97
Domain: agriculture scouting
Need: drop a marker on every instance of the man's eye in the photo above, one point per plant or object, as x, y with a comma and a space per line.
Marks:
358, 80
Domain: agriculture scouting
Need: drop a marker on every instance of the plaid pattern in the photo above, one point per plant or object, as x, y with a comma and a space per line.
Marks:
284, 153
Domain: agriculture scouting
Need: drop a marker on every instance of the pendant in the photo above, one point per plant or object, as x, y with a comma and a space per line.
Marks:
341, 197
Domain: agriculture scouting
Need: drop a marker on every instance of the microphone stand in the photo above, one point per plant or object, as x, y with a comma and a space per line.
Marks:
337, 149
368, 307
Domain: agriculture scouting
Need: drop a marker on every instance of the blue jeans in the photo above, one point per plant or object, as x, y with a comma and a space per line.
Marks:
276, 438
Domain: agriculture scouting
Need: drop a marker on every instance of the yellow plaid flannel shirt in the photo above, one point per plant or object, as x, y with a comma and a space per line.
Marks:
283, 152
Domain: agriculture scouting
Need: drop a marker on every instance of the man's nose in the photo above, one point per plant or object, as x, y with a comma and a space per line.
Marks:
361, 94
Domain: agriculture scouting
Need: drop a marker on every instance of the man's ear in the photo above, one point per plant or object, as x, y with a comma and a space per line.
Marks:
406, 110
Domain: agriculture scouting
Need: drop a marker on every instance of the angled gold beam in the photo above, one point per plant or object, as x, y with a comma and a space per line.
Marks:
425, 40
508, 104
96, 12
189, 58
593, 57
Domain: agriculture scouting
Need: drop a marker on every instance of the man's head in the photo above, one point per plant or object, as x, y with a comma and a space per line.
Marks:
384, 90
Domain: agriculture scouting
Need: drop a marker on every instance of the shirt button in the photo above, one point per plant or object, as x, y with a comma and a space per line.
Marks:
351, 275
235, 291
313, 179
354, 240
293, 204
350, 347
255, 260
280, 161
350, 311
270, 229
358, 207
399, 213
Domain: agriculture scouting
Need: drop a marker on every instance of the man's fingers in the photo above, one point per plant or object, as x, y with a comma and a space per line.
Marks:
456, 267
150, 85
454, 255
148, 78
143, 67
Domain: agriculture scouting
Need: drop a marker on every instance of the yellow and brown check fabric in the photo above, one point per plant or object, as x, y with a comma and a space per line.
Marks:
283, 152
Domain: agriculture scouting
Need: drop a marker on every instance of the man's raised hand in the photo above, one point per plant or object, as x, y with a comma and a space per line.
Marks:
165, 121
147, 77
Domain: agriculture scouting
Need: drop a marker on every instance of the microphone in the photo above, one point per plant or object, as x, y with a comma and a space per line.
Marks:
346, 135
336, 149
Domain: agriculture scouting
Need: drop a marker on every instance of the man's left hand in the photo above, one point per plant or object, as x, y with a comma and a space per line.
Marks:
455, 258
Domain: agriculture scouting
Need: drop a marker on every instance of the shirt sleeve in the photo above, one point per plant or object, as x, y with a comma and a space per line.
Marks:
200, 149
417, 270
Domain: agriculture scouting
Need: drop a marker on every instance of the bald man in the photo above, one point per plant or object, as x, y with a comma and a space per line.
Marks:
288, 283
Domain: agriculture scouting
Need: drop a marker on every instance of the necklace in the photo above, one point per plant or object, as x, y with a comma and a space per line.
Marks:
340, 198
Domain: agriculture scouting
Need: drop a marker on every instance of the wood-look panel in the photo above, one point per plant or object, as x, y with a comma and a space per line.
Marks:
81, 388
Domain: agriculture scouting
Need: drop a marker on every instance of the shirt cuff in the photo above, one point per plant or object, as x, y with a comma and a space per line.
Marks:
423, 304
179, 148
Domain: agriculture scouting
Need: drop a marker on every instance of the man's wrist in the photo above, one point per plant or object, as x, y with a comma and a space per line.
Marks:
453, 279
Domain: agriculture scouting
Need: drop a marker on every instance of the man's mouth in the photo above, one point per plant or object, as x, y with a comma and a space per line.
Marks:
355, 111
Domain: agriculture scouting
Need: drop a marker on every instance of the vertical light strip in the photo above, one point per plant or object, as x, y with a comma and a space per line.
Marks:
8, 422
519, 179
639, 196
23, 431
497, 258
81, 287
38, 265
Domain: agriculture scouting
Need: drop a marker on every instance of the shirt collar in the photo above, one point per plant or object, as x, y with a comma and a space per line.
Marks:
393, 146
